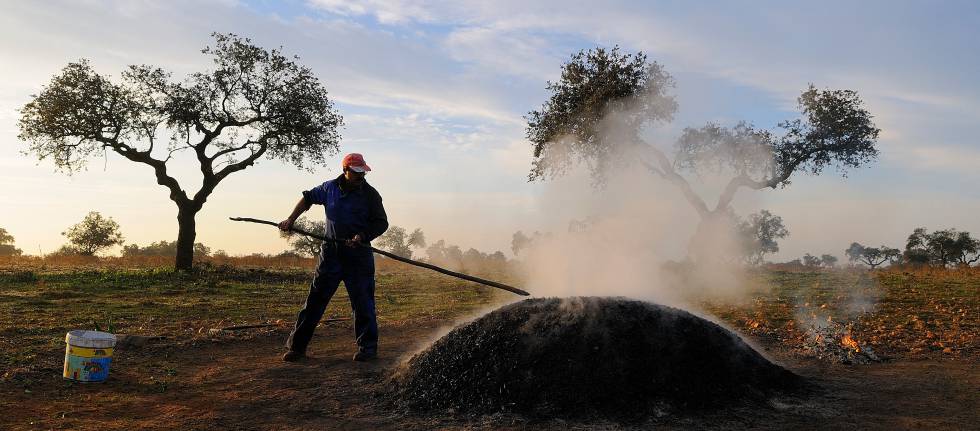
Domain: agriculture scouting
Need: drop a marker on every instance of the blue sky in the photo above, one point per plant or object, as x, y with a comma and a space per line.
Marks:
433, 94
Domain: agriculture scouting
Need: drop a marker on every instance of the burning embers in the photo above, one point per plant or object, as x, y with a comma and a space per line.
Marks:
833, 341
576, 357
849, 343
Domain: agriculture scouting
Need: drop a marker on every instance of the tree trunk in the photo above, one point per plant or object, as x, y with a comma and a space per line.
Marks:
709, 244
185, 236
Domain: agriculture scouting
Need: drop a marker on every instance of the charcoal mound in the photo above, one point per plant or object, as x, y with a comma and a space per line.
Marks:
587, 356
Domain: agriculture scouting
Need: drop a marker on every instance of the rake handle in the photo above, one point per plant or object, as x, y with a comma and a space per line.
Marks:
394, 256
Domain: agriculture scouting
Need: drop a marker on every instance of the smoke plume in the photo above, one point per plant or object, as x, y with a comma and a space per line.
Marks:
630, 238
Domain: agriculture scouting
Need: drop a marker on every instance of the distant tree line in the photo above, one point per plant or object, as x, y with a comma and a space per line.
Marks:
96, 234
942, 248
163, 248
399, 241
757, 235
811, 261
451, 256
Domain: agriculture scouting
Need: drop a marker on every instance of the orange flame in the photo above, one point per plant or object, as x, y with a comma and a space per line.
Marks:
849, 342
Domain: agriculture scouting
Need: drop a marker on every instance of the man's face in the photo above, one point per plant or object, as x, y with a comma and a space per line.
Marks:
353, 177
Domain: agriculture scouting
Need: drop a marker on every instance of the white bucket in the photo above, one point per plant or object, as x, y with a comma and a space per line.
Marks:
88, 355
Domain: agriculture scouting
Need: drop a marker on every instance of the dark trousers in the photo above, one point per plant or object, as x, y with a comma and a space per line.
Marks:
355, 267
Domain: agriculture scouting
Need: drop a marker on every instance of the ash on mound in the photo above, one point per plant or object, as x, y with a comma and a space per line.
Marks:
576, 357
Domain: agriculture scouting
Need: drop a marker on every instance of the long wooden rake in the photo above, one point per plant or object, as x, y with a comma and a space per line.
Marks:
395, 257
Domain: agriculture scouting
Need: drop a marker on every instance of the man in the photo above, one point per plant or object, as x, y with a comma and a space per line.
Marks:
354, 214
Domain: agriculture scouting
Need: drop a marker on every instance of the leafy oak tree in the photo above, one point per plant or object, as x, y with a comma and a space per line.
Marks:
416, 239
253, 103
398, 241
760, 235
520, 241
304, 245
811, 261
7, 244
871, 256
605, 99
92, 235
942, 247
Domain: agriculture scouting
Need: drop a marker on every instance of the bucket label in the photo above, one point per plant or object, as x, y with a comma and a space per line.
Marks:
87, 369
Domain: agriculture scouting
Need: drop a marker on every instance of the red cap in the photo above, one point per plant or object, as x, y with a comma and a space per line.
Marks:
355, 162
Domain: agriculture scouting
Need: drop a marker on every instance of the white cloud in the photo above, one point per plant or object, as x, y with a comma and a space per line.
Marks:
508, 52
386, 11
944, 158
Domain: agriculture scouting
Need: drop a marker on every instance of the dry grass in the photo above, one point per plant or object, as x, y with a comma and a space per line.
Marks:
41, 299
922, 313
74, 262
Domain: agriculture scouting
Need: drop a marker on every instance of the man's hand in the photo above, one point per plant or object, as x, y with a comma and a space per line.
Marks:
286, 225
355, 241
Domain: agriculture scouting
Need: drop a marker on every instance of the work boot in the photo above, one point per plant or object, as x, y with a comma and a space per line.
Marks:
364, 355
292, 356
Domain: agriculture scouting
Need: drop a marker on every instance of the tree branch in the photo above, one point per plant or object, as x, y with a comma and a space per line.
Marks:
231, 150
207, 162
159, 167
666, 171
728, 194
170, 154
211, 181
743, 180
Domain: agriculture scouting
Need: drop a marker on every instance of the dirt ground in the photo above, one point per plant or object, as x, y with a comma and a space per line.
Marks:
238, 382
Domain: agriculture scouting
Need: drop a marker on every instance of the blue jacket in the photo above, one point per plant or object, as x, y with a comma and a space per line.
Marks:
350, 210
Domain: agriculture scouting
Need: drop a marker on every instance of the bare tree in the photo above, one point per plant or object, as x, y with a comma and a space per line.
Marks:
255, 103
605, 99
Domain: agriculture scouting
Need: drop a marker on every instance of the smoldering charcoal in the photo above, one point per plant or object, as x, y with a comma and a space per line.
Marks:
588, 356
